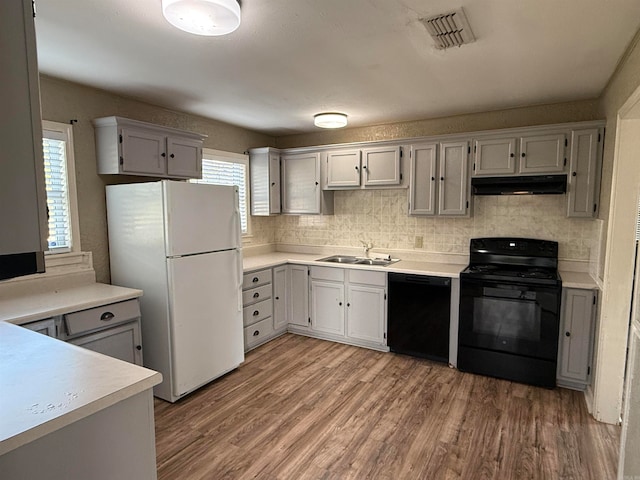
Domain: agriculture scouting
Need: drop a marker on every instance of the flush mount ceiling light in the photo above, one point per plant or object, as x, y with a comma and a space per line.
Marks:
203, 17
330, 120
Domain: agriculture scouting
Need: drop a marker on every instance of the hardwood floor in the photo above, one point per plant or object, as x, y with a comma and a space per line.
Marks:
301, 408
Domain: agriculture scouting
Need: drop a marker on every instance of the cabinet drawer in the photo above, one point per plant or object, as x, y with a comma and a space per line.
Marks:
257, 294
46, 326
328, 273
368, 277
256, 333
257, 311
101, 317
254, 279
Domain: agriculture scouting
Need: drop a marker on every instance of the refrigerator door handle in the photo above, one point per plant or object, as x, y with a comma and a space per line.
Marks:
238, 221
240, 277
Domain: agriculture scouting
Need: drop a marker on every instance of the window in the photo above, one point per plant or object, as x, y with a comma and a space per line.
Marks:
57, 144
225, 168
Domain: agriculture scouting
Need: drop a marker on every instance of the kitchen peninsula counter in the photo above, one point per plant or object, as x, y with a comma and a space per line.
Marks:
29, 306
54, 398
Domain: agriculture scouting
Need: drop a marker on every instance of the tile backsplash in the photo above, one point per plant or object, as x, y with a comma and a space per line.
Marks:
380, 216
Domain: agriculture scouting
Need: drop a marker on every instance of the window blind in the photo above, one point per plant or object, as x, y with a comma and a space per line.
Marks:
217, 172
55, 170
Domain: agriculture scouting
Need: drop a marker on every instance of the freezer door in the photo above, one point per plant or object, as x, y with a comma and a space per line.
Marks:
200, 218
205, 318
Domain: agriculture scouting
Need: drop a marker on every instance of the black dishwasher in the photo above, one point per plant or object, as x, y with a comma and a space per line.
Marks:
419, 311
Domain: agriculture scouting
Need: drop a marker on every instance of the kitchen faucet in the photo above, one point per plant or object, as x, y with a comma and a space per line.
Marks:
366, 247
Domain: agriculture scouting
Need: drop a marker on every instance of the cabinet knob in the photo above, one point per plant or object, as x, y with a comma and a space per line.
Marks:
138, 347
256, 295
273, 184
255, 279
442, 179
567, 334
163, 154
172, 156
356, 168
524, 154
256, 313
348, 304
433, 179
256, 333
364, 166
512, 154
574, 174
340, 303
277, 298
316, 183
106, 316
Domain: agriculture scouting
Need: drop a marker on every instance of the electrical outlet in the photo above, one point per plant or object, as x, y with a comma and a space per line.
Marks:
417, 243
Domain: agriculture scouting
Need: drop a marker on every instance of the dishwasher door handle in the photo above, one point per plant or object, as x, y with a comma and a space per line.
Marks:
420, 279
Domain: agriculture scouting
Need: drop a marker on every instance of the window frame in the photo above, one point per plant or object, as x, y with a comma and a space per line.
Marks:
239, 158
65, 130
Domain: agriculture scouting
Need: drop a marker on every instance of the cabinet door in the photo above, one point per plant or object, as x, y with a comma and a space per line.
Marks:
494, 156
280, 297
542, 154
298, 295
381, 166
343, 168
366, 313
301, 183
119, 342
422, 188
46, 327
574, 355
23, 200
143, 152
584, 173
274, 183
327, 307
184, 157
452, 196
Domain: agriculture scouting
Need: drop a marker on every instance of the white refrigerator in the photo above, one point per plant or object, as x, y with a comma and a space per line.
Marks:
181, 244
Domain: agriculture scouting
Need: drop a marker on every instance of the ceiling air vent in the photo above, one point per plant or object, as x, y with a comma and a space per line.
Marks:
449, 29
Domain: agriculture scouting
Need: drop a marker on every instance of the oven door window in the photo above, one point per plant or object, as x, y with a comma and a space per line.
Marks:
509, 318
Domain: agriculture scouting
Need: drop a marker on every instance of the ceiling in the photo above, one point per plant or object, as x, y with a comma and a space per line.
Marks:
372, 59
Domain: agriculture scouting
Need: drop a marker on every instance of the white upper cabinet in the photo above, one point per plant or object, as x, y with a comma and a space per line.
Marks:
343, 168
453, 187
301, 192
22, 183
495, 156
131, 147
363, 168
542, 154
264, 170
381, 166
422, 188
527, 154
439, 179
584, 177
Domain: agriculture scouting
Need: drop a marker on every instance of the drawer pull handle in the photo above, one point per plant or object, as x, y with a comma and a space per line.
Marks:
256, 313
255, 279
256, 333
106, 316
256, 295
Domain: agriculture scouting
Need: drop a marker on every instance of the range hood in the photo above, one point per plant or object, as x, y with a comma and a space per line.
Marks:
520, 185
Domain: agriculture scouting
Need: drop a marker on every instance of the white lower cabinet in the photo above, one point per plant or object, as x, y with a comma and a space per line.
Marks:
349, 306
112, 330
261, 312
298, 299
280, 298
575, 347
46, 327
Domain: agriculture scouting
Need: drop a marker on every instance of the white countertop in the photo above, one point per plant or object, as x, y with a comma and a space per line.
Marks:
29, 307
267, 260
47, 384
438, 269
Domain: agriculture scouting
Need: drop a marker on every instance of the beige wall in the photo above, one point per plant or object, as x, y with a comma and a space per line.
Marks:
63, 101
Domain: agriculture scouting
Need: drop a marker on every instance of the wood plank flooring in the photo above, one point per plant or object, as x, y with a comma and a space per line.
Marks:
301, 408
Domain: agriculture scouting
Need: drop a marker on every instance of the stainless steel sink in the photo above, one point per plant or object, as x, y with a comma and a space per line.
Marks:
353, 260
